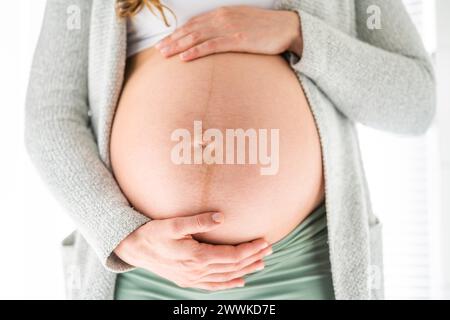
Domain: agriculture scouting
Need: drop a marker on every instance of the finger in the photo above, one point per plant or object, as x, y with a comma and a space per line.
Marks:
209, 253
216, 286
187, 28
184, 43
227, 276
211, 46
203, 21
183, 226
230, 267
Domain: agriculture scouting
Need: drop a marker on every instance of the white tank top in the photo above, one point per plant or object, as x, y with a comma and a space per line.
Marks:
145, 29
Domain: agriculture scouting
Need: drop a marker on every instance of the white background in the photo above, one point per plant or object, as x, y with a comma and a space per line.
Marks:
409, 178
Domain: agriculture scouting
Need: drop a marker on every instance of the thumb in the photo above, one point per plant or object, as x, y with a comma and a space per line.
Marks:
199, 223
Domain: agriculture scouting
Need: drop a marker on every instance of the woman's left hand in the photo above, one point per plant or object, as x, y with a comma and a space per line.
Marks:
235, 29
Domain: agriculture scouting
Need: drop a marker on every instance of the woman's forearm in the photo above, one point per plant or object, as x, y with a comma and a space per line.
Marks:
384, 79
297, 37
61, 143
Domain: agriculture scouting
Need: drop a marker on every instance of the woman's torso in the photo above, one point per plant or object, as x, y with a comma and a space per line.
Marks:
223, 91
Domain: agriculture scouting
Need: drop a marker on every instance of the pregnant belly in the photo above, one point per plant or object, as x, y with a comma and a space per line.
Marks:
176, 149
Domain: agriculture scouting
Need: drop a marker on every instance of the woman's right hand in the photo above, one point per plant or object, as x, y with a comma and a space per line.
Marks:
166, 247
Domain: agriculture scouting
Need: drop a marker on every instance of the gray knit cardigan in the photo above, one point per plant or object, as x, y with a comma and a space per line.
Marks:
380, 77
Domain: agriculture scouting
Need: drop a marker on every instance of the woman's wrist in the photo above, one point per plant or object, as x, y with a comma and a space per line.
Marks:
296, 44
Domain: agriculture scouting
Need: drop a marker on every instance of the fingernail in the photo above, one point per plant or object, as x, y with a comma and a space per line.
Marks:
164, 50
217, 217
184, 55
260, 268
241, 285
265, 245
268, 253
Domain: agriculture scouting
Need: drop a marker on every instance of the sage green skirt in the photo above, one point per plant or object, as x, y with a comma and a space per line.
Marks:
298, 268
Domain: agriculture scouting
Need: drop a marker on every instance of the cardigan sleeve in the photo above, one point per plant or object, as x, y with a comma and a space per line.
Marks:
382, 78
59, 138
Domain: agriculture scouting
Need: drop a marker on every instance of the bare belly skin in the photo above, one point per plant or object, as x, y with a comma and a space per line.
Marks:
224, 91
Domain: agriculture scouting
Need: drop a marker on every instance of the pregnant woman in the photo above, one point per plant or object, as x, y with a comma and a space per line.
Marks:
207, 149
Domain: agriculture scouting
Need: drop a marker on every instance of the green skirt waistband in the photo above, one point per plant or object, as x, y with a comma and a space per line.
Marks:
298, 268
307, 236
